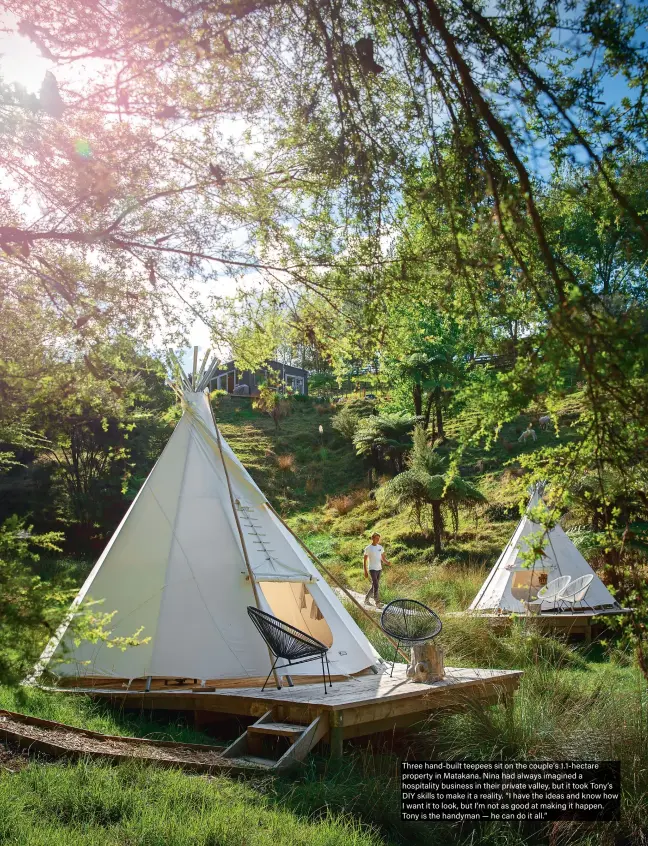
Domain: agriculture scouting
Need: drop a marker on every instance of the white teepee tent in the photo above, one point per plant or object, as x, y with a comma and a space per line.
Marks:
176, 566
510, 583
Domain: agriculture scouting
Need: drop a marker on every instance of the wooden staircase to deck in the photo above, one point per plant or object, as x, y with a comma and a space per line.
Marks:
276, 744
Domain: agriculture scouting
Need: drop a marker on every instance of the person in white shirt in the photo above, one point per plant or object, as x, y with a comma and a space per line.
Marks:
374, 558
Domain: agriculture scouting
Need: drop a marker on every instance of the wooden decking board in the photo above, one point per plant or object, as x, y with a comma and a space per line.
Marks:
566, 616
353, 693
372, 690
360, 705
278, 729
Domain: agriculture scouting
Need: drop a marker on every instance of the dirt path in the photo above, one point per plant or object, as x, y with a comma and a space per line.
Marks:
359, 597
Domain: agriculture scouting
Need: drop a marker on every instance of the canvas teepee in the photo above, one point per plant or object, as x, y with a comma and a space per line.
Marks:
510, 583
176, 565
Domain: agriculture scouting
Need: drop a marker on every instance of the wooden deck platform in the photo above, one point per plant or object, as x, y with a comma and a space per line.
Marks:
353, 707
587, 625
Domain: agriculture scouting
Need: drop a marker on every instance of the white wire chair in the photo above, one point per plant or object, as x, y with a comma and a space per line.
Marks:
575, 593
553, 590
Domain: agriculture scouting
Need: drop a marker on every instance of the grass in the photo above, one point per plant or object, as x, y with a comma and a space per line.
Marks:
320, 464
82, 712
568, 707
593, 713
93, 805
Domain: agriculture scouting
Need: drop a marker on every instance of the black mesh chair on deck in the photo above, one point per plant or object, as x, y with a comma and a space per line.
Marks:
287, 642
409, 621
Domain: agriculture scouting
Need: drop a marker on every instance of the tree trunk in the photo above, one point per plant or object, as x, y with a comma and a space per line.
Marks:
437, 525
417, 397
439, 419
426, 663
428, 410
375, 459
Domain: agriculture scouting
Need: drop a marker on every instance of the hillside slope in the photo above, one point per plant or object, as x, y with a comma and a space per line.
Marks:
321, 487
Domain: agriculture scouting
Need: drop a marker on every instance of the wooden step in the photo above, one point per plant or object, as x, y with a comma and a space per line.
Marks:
266, 763
290, 730
302, 740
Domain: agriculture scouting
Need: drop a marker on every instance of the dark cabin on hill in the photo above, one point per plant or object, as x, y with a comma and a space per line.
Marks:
246, 382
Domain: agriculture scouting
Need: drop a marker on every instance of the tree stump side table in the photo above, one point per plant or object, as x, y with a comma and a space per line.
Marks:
426, 663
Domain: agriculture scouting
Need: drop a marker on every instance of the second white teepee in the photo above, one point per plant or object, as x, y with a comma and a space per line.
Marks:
511, 584
176, 567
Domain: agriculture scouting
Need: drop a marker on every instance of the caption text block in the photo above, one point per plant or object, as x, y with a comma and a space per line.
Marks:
511, 790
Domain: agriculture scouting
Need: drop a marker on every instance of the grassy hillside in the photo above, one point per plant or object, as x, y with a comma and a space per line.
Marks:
321, 488
319, 465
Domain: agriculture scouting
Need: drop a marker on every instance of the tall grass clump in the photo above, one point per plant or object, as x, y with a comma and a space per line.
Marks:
450, 588
365, 787
93, 805
564, 715
344, 503
286, 463
474, 642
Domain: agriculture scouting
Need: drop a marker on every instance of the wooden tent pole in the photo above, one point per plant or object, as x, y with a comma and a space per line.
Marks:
241, 535
180, 374
195, 368
201, 370
208, 373
338, 583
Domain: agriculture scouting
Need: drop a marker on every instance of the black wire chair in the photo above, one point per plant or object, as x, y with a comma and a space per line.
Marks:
287, 642
409, 621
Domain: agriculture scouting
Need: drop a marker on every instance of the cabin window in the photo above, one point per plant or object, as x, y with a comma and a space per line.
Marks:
293, 603
296, 383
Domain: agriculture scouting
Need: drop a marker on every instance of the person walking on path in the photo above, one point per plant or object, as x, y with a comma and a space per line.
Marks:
374, 558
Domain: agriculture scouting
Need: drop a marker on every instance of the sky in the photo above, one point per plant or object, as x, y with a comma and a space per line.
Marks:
21, 62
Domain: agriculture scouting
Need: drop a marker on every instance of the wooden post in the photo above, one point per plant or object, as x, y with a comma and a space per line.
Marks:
180, 374
241, 536
506, 698
338, 583
201, 370
194, 372
336, 733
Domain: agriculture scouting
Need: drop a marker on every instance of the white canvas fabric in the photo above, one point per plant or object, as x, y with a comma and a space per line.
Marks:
175, 567
510, 584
